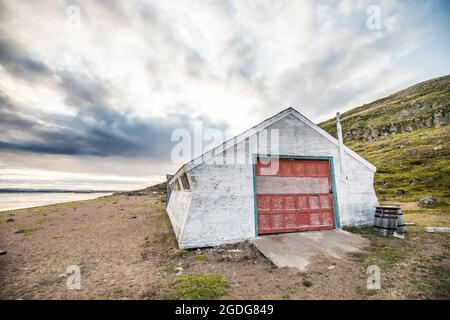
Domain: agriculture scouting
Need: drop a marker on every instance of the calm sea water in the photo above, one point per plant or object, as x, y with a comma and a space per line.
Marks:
10, 201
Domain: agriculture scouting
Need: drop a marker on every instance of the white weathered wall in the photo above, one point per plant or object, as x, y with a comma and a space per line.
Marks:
356, 195
178, 209
222, 206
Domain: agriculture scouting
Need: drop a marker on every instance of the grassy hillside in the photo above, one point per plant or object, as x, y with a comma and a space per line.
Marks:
406, 136
155, 189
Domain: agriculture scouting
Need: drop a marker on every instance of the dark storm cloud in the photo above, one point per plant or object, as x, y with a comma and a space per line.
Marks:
82, 92
11, 118
96, 129
17, 61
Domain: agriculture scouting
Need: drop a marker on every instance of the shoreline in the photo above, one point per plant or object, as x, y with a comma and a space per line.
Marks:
29, 200
18, 190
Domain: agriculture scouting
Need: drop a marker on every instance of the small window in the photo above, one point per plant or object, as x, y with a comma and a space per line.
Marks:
176, 185
185, 182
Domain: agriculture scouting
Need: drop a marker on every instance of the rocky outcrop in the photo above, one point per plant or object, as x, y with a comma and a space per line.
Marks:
438, 119
424, 105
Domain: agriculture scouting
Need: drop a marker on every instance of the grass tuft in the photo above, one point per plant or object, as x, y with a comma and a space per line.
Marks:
199, 286
26, 231
181, 253
200, 258
49, 279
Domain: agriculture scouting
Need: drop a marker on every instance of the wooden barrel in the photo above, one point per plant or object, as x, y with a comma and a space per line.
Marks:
400, 223
386, 220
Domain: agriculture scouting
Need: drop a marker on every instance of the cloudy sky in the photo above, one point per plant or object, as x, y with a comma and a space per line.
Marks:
90, 91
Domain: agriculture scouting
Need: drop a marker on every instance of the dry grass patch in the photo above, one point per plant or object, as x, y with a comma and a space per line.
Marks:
415, 267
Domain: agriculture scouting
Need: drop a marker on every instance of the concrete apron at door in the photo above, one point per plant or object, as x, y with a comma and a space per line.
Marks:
298, 250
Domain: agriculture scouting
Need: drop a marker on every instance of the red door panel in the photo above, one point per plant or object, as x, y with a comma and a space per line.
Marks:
289, 202
298, 169
300, 211
285, 168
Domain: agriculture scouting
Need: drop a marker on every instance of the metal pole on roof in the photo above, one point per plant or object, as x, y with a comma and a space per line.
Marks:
340, 144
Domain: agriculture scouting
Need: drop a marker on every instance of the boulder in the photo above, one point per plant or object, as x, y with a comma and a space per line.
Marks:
357, 133
428, 201
178, 270
375, 133
437, 119
393, 129
437, 229
399, 192
348, 136
440, 120
367, 133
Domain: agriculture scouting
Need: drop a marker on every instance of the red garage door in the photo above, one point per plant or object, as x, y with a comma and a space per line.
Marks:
294, 195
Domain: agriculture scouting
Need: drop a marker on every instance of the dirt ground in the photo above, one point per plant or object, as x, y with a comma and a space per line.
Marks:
126, 249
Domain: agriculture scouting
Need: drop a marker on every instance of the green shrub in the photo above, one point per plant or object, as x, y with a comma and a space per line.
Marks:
307, 283
199, 286
200, 258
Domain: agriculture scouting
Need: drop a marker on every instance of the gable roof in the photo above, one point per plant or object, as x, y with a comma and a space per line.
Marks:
262, 125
